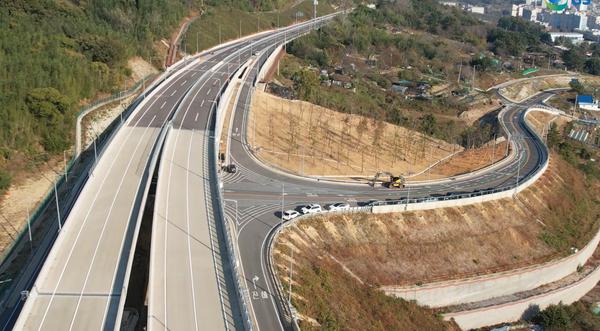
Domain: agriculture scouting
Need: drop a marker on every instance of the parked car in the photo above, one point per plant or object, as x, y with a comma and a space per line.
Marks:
290, 215
312, 208
339, 206
230, 168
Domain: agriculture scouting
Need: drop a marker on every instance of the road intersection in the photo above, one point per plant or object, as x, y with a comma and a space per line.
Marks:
82, 285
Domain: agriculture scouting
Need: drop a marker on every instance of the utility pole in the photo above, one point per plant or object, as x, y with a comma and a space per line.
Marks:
473, 82
407, 199
291, 274
459, 72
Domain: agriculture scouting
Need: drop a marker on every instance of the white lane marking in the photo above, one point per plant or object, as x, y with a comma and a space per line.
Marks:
208, 92
103, 231
196, 119
163, 105
165, 243
90, 209
172, 94
194, 73
187, 206
202, 103
183, 83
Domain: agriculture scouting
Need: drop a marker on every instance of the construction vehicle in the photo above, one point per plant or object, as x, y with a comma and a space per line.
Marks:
391, 182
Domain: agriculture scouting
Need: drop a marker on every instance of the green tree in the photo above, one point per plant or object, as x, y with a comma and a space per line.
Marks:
553, 136
577, 86
574, 59
555, 317
592, 66
307, 84
54, 115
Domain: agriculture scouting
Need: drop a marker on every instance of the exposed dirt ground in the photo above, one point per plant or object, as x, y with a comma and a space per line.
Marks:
540, 121
451, 243
467, 161
140, 68
27, 191
520, 91
308, 139
479, 110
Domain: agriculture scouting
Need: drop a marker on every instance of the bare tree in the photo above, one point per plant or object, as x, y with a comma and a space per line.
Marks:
376, 142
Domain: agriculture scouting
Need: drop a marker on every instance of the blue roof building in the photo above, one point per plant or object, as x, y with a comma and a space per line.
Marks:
585, 100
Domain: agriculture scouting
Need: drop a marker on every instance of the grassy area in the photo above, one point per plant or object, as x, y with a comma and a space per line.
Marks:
330, 299
229, 21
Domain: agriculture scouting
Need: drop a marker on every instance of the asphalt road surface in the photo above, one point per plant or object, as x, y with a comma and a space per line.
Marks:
256, 195
83, 282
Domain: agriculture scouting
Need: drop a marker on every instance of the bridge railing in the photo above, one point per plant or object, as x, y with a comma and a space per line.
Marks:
230, 235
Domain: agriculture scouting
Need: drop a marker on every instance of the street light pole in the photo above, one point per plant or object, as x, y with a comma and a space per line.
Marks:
57, 207
291, 274
282, 200
65, 165
518, 171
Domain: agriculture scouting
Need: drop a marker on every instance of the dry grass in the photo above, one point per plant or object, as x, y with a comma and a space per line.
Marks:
467, 161
336, 301
558, 212
307, 139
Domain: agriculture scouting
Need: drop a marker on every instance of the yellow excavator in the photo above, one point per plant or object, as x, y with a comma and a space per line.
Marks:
391, 182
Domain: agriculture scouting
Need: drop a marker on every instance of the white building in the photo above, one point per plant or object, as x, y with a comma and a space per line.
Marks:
587, 102
575, 37
477, 10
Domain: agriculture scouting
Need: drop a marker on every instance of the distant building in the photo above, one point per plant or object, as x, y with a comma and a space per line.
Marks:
341, 81
575, 37
477, 10
531, 14
587, 102
449, 3
565, 21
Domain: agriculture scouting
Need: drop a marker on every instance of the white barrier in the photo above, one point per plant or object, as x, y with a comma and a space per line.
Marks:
514, 311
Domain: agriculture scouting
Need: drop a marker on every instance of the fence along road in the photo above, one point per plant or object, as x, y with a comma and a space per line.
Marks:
82, 284
190, 287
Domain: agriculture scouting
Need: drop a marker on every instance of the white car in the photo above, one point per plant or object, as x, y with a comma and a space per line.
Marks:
339, 206
310, 209
290, 215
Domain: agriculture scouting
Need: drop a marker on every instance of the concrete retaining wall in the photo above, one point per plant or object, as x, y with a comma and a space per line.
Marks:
516, 310
494, 285
267, 66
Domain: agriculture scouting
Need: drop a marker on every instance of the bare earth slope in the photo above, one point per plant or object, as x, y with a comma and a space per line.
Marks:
557, 213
